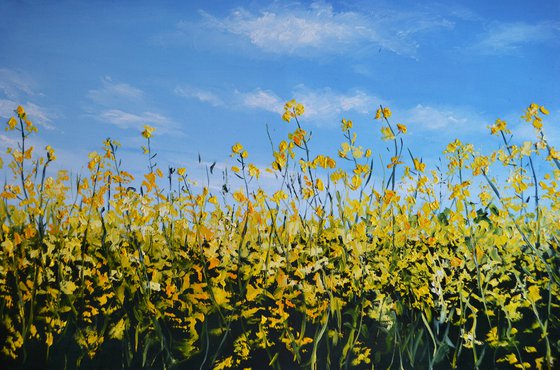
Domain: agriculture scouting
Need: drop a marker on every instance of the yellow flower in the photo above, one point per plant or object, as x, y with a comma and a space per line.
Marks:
154, 285
299, 109
237, 148
50, 153
224, 364
213, 200
12, 123
533, 293
530, 349
531, 112
537, 122
254, 171
7, 244
361, 168
94, 158
298, 136
356, 181
386, 112
279, 195
492, 337
402, 128
480, 165
68, 287
49, 339
553, 154
346, 125
357, 152
337, 175
292, 109
394, 161
498, 126
150, 181
451, 147
485, 198
20, 111
117, 331
419, 166
342, 153
544, 110
390, 196
387, 133
27, 154
319, 185
239, 196
282, 146
29, 126
148, 130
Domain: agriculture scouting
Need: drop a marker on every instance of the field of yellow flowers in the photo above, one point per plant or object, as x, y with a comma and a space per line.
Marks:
430, 268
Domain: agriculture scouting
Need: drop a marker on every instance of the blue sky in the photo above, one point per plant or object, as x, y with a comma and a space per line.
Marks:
208, 74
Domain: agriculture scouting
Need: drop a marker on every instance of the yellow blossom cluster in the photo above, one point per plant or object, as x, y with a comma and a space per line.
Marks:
338, 266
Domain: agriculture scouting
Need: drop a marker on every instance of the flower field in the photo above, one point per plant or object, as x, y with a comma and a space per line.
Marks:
451, 267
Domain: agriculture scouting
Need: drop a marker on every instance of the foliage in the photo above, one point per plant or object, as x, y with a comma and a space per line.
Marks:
328, 271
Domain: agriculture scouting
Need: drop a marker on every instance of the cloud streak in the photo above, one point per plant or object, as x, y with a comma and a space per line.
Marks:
505, 38
125, 106
111, 92
17, 88
326, 106
201, 95
261, 99
319, 29
431, 118
15, 83
323, 107
127, 120
445, 120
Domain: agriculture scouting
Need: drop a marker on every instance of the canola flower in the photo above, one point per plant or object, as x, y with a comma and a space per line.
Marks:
329, 269
148, 131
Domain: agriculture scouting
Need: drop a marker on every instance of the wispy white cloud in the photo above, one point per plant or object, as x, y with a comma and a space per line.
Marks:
323, 107
434, 119
7, 142
7, 108
112, 92
448, 120
204, 96
320, 29
326, 107
17, 86
41, 116
14, 84
257, 99
458, 11
503, 38
261, 99
127, 120
127, 107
